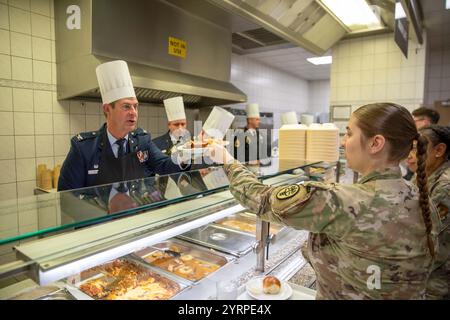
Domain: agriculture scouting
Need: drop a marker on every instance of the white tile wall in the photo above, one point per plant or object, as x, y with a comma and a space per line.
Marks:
20, 20
5, 66
319, 98
4, 16
42, 101
6, 101
21, 45
6, 123
274, 90
7, 171
25, 147
8, 147
26, 169
22, 69
23, 100
23, 123
384, 74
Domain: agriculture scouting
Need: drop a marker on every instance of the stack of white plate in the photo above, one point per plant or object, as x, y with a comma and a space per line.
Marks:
322, 142
292, 142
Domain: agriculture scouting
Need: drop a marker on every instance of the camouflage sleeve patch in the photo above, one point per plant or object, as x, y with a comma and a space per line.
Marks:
314, 206
289, 199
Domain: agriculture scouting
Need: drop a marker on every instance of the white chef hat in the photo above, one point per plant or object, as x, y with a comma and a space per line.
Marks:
174, 108
289, 118
114, 81
252, 110
218, 122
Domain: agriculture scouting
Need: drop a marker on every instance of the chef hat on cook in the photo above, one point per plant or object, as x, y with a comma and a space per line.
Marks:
252, 110
289, 118
114, 81
218, 122
174, 108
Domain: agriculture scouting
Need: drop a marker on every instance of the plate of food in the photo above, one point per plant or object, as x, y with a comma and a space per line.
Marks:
268, 288
200, 147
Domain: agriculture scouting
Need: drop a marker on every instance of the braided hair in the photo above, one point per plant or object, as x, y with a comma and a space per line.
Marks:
422, 183
396, 124
438, 134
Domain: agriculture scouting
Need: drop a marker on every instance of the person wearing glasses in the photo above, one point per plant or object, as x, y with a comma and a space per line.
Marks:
119, 150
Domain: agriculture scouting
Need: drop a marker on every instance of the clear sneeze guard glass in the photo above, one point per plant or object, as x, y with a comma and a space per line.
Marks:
62, 212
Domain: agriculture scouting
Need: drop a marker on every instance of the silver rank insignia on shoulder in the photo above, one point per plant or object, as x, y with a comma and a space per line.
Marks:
142, 156
288, 192
79, 137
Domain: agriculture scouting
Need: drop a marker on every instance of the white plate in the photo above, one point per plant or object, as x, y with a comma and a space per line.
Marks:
255, 289
192, 151
198, 151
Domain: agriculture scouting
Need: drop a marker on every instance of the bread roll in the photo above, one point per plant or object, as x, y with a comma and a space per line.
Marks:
271, 285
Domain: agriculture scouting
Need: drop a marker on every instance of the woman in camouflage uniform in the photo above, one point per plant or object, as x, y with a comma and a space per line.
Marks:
368, 240
438, 171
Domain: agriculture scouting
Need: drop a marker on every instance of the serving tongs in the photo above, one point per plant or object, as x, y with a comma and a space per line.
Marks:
171, 253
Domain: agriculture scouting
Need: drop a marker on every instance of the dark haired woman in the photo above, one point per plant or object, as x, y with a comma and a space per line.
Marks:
368, 240
438, 172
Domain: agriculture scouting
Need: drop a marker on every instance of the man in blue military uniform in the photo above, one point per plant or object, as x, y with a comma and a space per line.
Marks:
250, 144
119, 150
177, 133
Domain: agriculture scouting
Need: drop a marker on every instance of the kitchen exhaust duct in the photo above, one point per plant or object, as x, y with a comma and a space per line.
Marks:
172, 47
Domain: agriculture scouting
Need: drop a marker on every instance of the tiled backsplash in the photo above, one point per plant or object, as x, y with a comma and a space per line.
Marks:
373, 69
35, 128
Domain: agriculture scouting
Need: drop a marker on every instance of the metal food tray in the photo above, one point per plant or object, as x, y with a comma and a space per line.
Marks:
62, 294
52, 292
194, 250
96, 272
276, 231
216, 237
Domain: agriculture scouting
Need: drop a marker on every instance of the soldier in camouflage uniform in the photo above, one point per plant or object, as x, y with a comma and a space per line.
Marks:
438, 169
368, 240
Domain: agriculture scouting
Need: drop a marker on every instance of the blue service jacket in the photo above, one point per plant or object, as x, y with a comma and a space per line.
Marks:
82, 164
164, 143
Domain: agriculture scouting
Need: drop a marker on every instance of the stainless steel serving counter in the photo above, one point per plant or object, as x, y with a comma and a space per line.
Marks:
285, 259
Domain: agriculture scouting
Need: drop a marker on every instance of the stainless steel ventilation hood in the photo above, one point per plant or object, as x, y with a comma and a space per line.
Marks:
305, 23
146, 33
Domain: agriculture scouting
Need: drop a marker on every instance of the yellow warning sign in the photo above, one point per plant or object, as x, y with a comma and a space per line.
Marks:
177, 47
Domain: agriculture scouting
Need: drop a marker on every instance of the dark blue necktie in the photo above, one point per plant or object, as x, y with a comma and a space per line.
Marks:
121, 152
